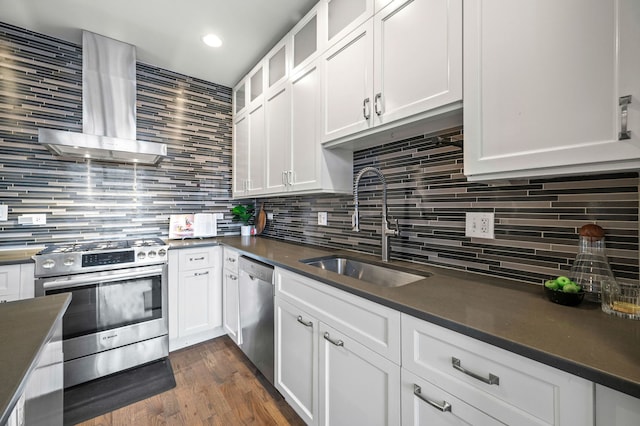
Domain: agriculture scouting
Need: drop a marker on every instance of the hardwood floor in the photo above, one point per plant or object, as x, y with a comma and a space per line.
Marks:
215, 385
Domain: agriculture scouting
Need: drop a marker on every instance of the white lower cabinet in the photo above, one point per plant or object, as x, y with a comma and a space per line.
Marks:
195, 296
335, 354
16, 282
357, 385
230, 300
297, 359
616, 408
423, 403
507, 387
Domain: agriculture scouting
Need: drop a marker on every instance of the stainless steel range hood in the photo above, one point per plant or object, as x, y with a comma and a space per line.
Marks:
108, 108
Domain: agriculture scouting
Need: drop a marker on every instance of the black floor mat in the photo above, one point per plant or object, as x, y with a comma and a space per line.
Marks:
88, 400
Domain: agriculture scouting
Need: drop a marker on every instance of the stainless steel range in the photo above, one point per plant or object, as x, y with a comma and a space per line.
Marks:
117, 318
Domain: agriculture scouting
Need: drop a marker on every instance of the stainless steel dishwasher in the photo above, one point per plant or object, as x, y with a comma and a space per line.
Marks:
255, 294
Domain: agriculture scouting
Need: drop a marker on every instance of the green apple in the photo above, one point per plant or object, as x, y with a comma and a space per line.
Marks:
551, 285
570, 288
562, 281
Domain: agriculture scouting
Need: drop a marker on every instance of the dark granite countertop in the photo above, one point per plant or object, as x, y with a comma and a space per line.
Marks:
25, 327
580, 340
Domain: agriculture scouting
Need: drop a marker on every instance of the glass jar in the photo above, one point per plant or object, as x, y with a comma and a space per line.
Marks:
621, 299
591, 268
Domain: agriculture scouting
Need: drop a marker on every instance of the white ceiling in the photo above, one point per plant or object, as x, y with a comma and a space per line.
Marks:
167, 33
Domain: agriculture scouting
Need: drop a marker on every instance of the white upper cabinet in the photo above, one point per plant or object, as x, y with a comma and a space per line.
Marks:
545, 84
402, 66
348, 84
418, 57
344, 16
240, 154
308, 37
240, 97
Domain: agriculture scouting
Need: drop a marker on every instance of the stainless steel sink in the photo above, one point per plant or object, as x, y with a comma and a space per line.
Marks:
375, 274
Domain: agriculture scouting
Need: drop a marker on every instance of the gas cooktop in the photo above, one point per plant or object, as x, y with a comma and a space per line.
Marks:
102, 245
102, 255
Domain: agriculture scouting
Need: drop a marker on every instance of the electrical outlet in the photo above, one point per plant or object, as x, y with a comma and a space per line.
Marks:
218, 216
322, 218
269, 216
479, 225
32, 219
4, 212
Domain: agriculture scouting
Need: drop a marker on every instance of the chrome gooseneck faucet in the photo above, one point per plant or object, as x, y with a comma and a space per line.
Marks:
355, 219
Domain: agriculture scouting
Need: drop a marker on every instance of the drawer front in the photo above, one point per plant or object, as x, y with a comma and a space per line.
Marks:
426, 404
230, 259
373, 325
197, 258
521, 388
9, 282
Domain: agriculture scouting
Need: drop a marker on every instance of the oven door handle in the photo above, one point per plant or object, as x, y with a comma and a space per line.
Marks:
78, 282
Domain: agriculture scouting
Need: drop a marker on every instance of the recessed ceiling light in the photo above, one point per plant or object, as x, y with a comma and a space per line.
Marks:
212, 40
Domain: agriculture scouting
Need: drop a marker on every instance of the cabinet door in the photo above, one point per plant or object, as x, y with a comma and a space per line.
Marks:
357, 386
418, 57
9, 283
345, 16
278, 138
616, 408
296, 344
305, 116
537, 101
426, 404
240, 155
230, 311
348, 84
27, 285
256, 150
199, 304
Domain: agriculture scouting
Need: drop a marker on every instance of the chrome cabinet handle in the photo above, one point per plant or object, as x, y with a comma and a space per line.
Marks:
492, 380
3, 301
303, 322
197, 274
289, 177
284, 177
444, 407
335, 342
231, 259
365, 108
624, 112
377, 101
191, 259
232, 277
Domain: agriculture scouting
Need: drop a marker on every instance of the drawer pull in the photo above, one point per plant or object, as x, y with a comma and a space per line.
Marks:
492, 380
230, 259
191, 259
197, 274
232, 277
3, 301
303, 322
624, 113
335, 342
417, 391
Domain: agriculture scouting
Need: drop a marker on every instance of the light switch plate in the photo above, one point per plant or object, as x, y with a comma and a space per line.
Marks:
480, 225
4, 212
269, 216
218, 216
33, 219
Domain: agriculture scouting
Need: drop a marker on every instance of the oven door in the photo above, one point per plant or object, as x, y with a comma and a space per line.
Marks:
110, 309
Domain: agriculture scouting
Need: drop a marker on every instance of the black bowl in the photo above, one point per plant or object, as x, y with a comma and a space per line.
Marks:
562, 298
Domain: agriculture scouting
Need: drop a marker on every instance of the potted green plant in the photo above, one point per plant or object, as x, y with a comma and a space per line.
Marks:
244, 213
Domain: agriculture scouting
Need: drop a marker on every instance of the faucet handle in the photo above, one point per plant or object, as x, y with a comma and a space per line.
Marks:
355, 222
397, 226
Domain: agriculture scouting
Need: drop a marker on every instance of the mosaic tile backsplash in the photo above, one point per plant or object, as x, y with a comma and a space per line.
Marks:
40, 86
536, 221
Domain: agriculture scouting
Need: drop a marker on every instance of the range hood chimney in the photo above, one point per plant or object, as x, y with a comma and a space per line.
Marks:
108, 108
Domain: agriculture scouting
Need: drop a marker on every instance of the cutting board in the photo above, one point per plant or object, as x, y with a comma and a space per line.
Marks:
261, 220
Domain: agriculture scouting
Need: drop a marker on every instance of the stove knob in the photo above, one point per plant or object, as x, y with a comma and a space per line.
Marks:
68, 261
162, 252
152, 253
141, 255
48, 264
